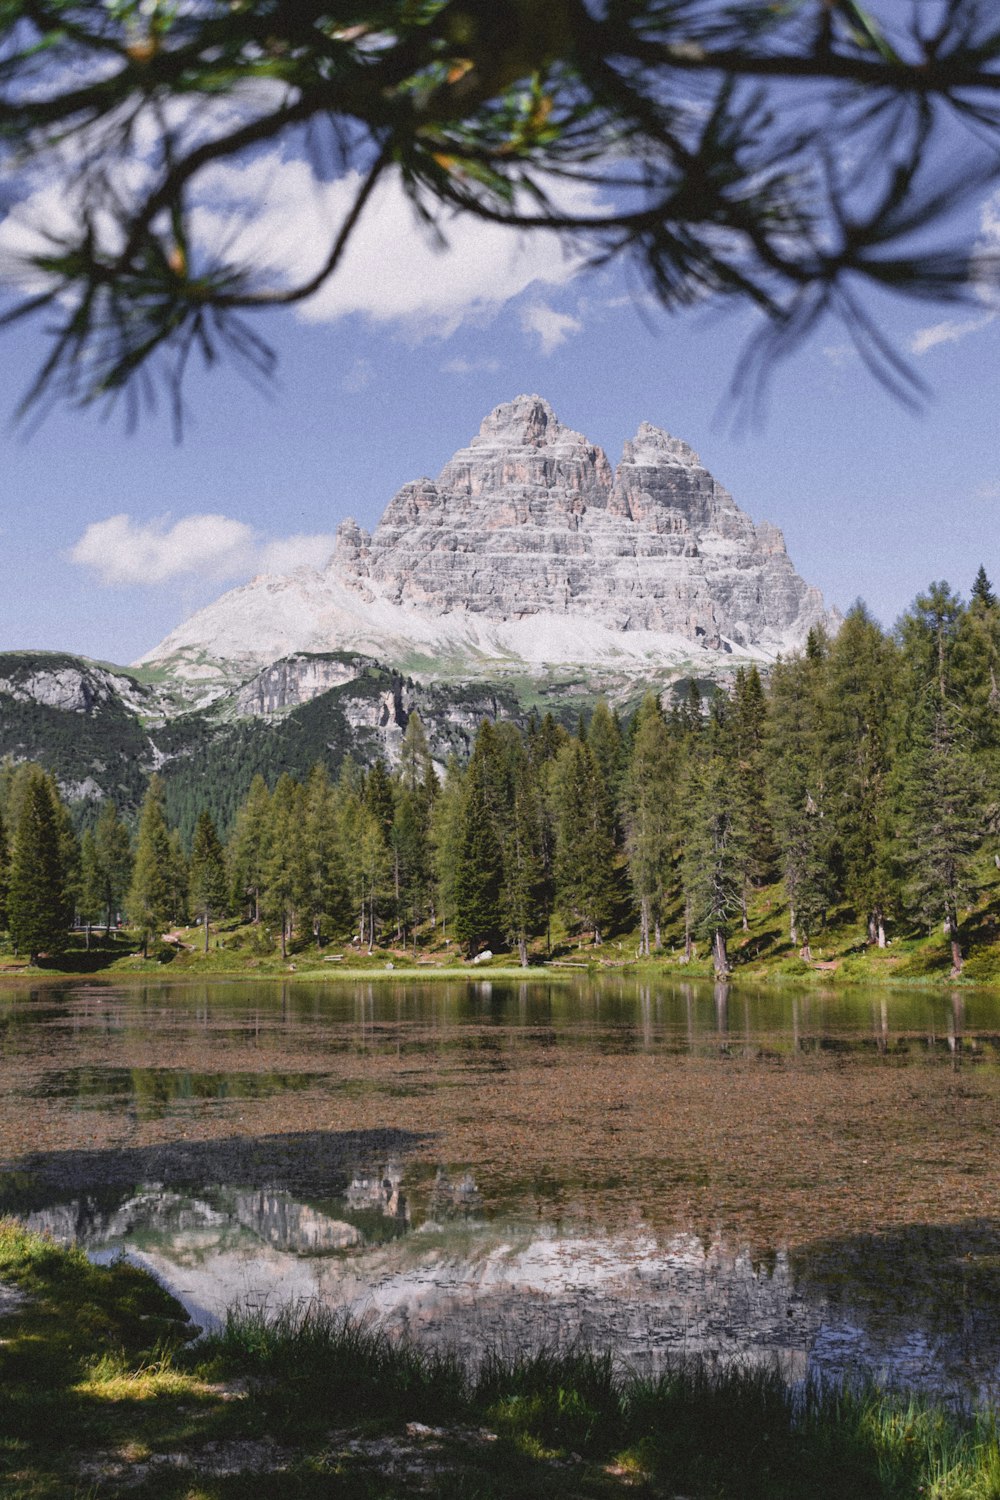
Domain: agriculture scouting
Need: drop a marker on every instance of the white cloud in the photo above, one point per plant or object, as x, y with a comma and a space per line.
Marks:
358, 378
470, 366
121, 551
275, 213
984, 282
838, 355
948, 331
552, 328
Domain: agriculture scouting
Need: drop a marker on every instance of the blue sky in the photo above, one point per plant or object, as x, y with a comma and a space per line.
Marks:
393, 370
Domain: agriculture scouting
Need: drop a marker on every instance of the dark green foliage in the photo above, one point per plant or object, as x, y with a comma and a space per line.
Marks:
478, 878
207, 878
942, 818
586, 884
37, 906
153, 890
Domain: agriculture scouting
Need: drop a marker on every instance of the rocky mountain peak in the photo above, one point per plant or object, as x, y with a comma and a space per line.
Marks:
652, 445
528, 547
527, 421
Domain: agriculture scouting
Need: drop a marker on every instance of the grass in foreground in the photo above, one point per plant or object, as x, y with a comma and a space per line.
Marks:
102, 1392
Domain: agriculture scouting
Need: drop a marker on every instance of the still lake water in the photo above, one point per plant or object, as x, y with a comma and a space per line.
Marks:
669, 1170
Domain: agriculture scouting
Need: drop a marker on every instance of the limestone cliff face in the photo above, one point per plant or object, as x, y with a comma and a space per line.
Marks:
530, 519
527, 553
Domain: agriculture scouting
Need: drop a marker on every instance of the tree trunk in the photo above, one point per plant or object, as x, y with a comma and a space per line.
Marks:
951, 929
793, 930
881, 931
644, 927
688, 945
744, 914
522, 950
206, 929
284, 947
657, 934
871, 928
720, 957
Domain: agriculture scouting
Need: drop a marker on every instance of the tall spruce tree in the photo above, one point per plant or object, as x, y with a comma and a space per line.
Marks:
796, 790
37, 906
329, 898
446, 833
286, 869
586, 884
153, 888
478, 879
4, 874
524, 890
942, 818
648, 812
208, 883
862, 671
248, 848
714, 860
113, 856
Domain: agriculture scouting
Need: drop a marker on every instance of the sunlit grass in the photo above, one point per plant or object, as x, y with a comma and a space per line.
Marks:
90, 1383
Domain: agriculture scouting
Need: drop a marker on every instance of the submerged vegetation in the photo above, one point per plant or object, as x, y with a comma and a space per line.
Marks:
841, 814
104, 1391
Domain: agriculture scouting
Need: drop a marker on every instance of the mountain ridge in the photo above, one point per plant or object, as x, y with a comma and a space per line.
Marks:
528, 553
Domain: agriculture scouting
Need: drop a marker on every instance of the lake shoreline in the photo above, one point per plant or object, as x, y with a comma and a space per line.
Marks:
311, 1399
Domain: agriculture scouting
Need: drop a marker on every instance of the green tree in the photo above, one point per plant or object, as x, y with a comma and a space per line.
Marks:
714, 859
446, 834
37, 907
648, 814
207, 878
248, 847
286, 869
862, 673
329, 898
942, 819
113, 854
523, 896
796, 789
4, 874
586, 884
152, 892
478, 878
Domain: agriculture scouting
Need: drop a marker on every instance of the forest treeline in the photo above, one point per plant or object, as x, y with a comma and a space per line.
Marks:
863, 773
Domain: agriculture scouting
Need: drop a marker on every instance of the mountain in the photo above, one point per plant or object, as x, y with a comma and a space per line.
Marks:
528, 555
528, 575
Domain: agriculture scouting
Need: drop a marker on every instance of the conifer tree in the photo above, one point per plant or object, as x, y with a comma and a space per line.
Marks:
4, 874
207, 878
585, 873
329, 900
248, 848
446, 830
861, 674
748, 735
606, 745
153, 888
286, 869
113, 856
478, 880
90, 906
942, 818
37, 907
523, 895
714, 860
796, 787
647, 801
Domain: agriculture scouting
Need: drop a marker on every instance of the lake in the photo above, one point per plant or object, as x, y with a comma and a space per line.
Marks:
670, 1170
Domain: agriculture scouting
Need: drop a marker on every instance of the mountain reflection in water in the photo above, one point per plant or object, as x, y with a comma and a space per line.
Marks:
453, 1280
